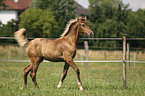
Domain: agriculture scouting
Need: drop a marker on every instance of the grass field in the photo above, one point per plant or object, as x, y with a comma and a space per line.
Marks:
99, 79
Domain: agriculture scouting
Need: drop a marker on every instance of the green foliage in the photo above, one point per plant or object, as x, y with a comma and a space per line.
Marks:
63, 10
8, 29
112, 18
42, 4
39, 23
108, 16
136, 24
136, 27
2, 4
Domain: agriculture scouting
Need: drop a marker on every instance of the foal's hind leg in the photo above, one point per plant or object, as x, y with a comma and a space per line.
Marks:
26, 71
66, 66
35, 66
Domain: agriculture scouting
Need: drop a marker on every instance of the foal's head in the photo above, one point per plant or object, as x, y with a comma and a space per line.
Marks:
83, 27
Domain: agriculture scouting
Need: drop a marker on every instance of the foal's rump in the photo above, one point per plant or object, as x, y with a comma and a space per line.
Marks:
46, 48
33, 48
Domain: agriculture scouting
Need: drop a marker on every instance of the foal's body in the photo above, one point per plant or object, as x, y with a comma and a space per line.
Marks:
57, 50
59, 47
42, 45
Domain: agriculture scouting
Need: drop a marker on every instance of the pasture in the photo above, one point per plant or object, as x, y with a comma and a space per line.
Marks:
99, 79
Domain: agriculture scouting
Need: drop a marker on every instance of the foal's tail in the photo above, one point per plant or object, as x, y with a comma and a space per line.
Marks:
20, 36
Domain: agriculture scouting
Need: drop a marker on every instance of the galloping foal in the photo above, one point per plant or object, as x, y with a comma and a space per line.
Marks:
62, 49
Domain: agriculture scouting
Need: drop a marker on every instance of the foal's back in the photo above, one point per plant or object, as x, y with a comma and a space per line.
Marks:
48, 49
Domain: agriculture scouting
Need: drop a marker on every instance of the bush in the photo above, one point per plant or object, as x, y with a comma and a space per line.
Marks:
39, 23
8, 29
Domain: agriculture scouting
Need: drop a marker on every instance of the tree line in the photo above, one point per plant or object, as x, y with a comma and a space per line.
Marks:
108, 18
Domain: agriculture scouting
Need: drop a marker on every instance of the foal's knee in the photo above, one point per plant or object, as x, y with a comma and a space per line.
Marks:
33, 75
26, 71
77, 70
30, 74
64, 74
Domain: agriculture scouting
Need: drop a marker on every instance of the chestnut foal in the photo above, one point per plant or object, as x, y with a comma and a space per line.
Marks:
62, 49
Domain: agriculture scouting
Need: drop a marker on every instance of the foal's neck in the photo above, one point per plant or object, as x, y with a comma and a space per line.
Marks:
72, 36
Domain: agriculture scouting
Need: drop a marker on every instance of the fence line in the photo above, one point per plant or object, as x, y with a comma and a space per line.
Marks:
109, 61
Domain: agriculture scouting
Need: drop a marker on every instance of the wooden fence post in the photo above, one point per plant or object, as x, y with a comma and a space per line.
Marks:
82, 58
134, 59
137, 55
9, 53
86, 51
124, 63
128, 55
105, 54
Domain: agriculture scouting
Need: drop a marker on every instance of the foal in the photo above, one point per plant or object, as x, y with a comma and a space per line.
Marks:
62, 49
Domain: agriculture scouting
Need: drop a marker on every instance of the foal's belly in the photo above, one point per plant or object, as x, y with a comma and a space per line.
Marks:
55, 59
53, 56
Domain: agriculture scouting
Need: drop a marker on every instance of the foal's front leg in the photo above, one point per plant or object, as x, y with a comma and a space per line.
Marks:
72, 64
66, 67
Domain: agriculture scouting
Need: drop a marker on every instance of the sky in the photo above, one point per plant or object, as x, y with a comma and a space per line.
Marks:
134, 4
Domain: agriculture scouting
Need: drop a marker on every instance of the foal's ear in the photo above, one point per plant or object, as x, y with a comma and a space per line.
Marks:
85, 18
77, 18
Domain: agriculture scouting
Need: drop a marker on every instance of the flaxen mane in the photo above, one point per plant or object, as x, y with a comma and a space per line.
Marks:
68, 26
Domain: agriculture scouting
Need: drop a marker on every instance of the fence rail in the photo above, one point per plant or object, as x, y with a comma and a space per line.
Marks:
101, 61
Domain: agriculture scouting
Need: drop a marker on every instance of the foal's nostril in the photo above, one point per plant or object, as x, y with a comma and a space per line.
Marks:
91, 33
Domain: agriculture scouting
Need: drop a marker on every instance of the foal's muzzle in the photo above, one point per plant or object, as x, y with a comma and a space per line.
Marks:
90, 34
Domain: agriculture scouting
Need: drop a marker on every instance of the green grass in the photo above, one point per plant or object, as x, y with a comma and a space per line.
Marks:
99, 79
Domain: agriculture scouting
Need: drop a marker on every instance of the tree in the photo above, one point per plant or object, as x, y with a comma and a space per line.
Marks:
103, 9
63, 10
8, 29
136, 24
136, 27
110, 19
42, 4
2, 4
42, 24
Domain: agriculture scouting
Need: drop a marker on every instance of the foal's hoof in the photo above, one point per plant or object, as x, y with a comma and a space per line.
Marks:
22, 87
37, 87
58, 86
81, 88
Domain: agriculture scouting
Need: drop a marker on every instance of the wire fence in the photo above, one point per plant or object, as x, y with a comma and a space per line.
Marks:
11, 52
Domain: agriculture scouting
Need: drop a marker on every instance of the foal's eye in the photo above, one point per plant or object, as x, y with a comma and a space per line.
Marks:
83, 25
